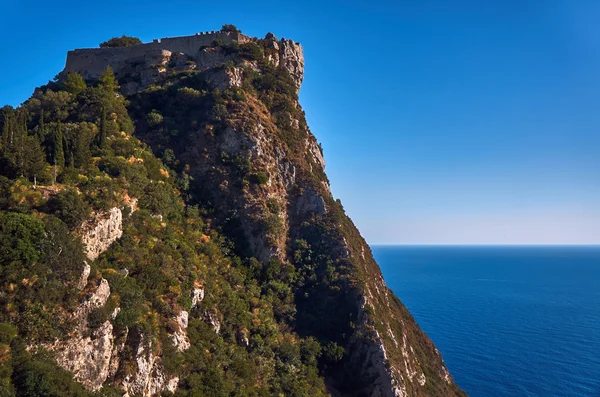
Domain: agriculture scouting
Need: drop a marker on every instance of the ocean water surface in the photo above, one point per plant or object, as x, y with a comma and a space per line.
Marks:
509, 321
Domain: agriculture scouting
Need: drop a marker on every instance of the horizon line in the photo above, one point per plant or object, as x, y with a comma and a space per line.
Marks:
480, 245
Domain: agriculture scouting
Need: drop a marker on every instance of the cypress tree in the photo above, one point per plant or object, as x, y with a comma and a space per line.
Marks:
34, 160
58, 156
20, 142
82, 148
102, 136
42, 127
59, 153
6, 129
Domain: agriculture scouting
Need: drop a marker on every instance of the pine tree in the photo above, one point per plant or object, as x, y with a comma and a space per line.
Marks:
74, 83
108, 81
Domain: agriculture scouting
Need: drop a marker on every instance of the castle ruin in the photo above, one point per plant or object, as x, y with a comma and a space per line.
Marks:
91, 62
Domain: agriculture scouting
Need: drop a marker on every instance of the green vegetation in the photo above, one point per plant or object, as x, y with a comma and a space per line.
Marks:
90, 161
230, 28
123, 41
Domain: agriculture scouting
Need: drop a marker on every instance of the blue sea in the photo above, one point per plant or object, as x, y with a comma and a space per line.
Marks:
509, 321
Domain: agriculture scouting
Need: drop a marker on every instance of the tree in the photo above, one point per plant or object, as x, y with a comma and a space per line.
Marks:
7, 127
108, 81
230, 28
81, 146
69, 207
18, 143
123, 41
20, 239
35, 159
74, 83
102, 135
58, 155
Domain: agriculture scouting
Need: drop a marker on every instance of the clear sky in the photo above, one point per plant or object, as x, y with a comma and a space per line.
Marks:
452, 122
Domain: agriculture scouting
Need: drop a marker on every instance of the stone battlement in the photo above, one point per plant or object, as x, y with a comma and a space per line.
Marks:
91, 62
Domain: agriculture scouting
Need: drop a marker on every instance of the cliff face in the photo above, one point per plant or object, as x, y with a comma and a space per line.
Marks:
226, 268
291, 208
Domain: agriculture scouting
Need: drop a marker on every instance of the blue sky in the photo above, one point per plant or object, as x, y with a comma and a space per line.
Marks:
463, 122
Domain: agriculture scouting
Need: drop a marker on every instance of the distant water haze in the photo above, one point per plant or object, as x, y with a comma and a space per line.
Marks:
535, 228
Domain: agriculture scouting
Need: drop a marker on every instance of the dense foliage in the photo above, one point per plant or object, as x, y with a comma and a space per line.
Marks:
123, 41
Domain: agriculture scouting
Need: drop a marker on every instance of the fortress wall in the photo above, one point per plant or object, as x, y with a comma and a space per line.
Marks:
190, 45
91, 62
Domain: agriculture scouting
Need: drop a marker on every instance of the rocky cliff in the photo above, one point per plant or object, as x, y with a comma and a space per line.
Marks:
206, 254
290, 208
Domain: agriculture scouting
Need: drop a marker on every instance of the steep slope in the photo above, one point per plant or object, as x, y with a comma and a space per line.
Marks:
227, 268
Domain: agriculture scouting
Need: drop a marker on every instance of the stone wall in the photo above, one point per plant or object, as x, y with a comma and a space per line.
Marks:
91, 62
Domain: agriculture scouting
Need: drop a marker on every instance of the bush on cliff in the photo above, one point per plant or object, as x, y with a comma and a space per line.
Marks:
123, 41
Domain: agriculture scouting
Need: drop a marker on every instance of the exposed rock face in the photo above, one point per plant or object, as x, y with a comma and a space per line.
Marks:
101, 231
179, 336
87, 353
310, 203
149, 379
225, 78
291, 58
287, 54
84, 276
93, 355
197, 296
212, 318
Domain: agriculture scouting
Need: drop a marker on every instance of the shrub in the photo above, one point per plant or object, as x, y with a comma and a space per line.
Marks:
154, 118
230, 28
260, 178
69, 207
123, 41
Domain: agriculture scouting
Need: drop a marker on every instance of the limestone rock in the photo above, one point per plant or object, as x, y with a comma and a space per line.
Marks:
315, 151
179, 337
88, 358
88, 354
213, 320
310, 203
101, 231
95, 300
225, 78
197, 296
83, 280
292, 59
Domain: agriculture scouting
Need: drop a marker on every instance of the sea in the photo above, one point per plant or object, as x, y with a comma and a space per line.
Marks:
509, 321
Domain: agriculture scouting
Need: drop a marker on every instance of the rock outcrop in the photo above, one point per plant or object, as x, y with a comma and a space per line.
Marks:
87, 352
103, 229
